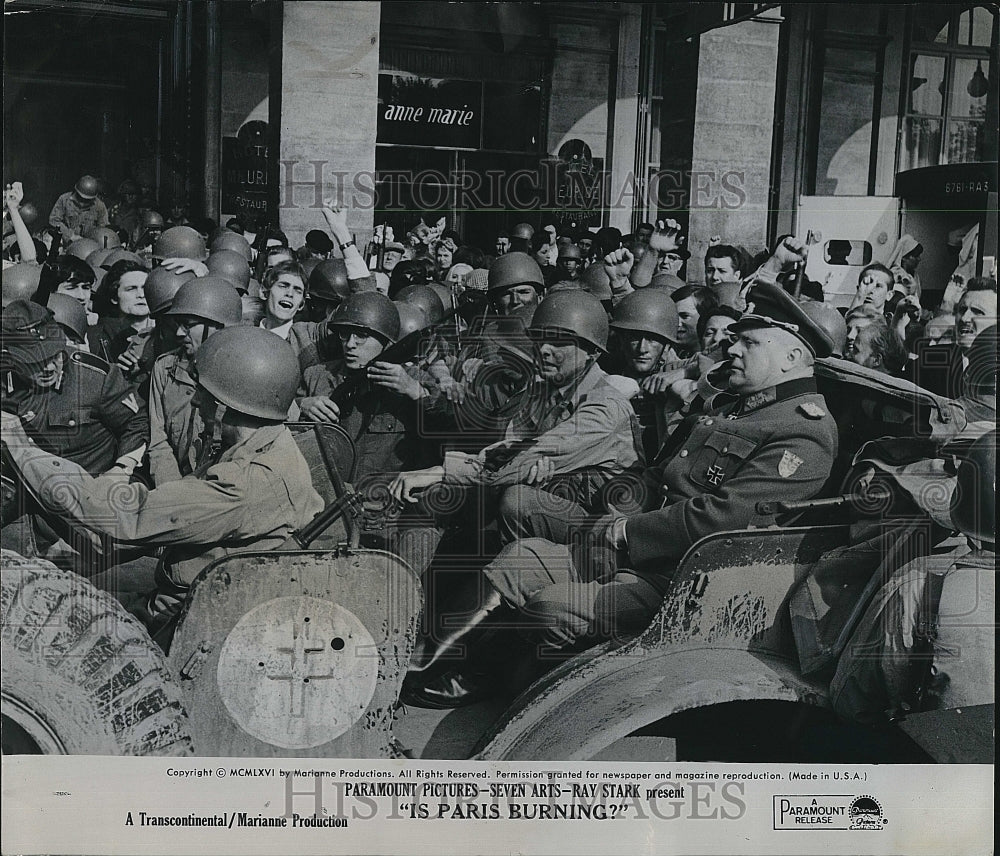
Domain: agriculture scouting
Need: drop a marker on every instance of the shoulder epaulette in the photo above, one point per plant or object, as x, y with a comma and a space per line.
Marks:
90, 361
812, 410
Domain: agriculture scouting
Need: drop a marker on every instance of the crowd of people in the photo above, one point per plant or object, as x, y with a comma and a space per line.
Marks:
568, 401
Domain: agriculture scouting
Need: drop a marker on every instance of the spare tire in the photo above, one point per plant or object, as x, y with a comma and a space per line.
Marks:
79, 674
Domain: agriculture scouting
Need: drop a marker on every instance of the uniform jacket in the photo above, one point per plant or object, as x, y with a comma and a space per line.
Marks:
174, 425
776, 444
71, 218
590, 428
252, 499
94, 418
383, 424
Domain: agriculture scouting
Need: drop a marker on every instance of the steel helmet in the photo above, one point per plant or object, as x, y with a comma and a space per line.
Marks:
121, 254
87, 187
595, 280
328, 281
230, 266
153, 220
128, 186
648, 310
444, 293
180, 242
96, 259
426, 298
570, 251
525, 231
161, 287
210, 297
669, 281
82, 248
572, 313
20, 281
514, 269
250, 370
411, 318
973, 504
68, 312
369, 311
28, 212
229, 240
830, 320
106, 237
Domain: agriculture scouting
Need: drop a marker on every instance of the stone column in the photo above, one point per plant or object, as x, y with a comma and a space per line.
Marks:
734, 121
329, 111
623, 182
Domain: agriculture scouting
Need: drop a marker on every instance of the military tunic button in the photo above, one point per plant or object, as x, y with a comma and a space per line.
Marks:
725, 449
71, 423
684, 453
709, 421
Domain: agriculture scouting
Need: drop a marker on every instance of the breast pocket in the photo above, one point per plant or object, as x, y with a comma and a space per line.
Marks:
70, 423
720, 457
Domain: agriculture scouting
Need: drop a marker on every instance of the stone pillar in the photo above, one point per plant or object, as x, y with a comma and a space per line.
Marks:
734, 120
329, 111
622, 185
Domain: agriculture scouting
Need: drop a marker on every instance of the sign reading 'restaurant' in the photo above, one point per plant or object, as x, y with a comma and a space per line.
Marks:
423, 111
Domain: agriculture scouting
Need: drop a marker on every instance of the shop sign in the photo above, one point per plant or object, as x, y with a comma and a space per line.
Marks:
424, 111
245, 175
579, 185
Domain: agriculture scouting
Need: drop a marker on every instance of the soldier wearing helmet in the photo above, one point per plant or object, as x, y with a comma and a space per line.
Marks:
177, 431
151, 226
644, 324
252, 498
575, 426
381, 416
79, 210
573, 433
569, 262
515, 279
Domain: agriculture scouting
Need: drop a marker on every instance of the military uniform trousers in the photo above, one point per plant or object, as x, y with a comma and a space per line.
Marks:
572, 591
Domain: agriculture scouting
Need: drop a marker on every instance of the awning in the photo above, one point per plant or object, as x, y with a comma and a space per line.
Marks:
693, 19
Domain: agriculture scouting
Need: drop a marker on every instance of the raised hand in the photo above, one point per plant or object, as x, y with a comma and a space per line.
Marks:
667, 236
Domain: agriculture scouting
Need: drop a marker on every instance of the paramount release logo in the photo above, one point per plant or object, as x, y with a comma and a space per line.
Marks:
827, 811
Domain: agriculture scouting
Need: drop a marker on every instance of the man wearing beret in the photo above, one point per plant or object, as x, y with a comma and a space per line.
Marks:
772, 440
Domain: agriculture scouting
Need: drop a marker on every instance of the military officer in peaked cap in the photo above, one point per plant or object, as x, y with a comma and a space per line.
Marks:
772, 440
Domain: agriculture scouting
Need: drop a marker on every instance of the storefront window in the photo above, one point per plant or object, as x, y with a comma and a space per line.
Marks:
950, 81
846, 120
673, 89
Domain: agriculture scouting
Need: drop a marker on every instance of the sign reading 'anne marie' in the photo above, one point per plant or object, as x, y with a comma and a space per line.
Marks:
423, 111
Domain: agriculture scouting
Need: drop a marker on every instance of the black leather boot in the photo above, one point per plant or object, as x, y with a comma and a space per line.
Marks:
433, 683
